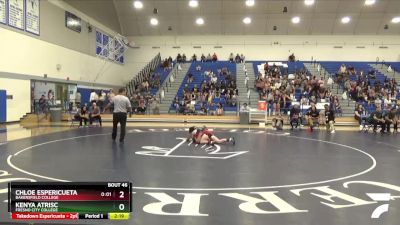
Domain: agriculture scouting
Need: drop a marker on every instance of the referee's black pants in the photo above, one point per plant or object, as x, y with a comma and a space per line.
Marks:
119, 118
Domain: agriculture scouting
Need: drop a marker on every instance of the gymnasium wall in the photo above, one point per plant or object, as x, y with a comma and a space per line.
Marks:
26, 56
29, 54
259, 47
20, 104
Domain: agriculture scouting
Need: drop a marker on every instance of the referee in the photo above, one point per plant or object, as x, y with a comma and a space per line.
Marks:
122, 106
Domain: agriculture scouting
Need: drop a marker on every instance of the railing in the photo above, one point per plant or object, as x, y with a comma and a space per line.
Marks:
164, 88
151, 66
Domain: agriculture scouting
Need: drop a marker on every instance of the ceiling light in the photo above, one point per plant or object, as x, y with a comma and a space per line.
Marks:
250, 3
309, 2
396, 20
346, 19
370, 2
296, 20
193, 3
199, 21
138, 4
247, 20
154, 21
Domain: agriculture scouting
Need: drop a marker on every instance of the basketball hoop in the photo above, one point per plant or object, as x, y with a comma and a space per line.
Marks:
125, 41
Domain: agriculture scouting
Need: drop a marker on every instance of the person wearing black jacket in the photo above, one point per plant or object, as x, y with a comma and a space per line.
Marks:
295, 117
330, 119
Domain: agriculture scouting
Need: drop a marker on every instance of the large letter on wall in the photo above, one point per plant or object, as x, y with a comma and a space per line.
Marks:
250, 203
190, 206
331, 194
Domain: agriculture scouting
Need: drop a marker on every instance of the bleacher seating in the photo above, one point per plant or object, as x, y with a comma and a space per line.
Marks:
198, 78
395, 66
333, 67
163, 75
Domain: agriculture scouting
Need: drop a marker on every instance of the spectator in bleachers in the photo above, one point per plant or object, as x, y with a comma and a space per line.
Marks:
242, 58
220, 110
312, 117
359, 115
336, 105
214, 57
102, 99
77, 99
231, 58
194, 58
343, 69
179, 58
277, 102
183, 57
203, 109
329, 119
190, 78
134, 102
389, 69
198, 68
209, 58
142, 105
93, 97
203, 58
237, 58
155, 106
244, 108
292, 58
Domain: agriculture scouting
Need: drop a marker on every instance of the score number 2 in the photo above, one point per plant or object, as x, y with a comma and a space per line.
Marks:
121, 195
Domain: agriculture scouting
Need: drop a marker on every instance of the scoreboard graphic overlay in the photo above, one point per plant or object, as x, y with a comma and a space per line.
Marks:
70, 201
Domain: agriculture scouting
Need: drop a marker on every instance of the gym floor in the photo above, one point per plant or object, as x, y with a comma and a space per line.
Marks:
288, 177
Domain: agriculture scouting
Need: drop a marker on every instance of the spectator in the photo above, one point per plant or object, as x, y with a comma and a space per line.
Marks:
209, 58
50, 97
194, 58
198, 68
292, 58
329, 119
244, 108
183, 57
359, 115
82, 116
277, 123
190, 78
389, 69
242, 58
134, 103
95, 114
102, 99
312, 117
203, 109
42, 104
376, 118
203, 58
214, 57
77, 99
391, 118
231, 58
220, 110
93, 97
155, 106
295, 117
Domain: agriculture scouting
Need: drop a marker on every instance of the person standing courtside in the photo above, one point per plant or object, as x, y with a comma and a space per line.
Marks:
122, 106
